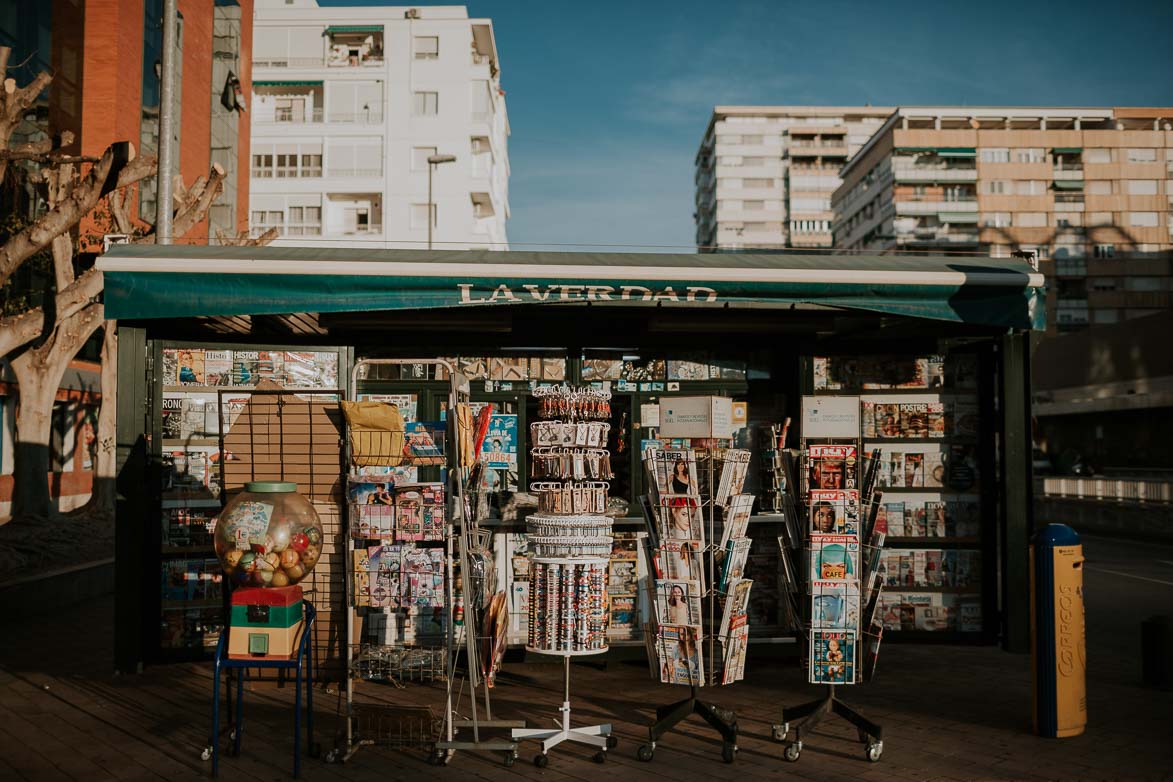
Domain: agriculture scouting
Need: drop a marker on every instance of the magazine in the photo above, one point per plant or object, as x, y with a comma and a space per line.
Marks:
868, 418
736, 518
170, 373
736, 606
681, 560
681, 660
308, 369
409, 518
422, 582
674, 472
374, 510
678, 602
936, 420
832, 656
218, 367
914, 419
832, 467
834, 557
887, 419
383, 565
362, 576
834, 511
834, 605
246, 368
733, 562
733, 471
735, 646
680, 519
189, 366
172, 416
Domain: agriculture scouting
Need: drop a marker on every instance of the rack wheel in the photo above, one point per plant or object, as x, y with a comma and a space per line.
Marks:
645, 753
509, 758
728, 752
780, 731
874, 751
332, 756
612, 742
541, 761
793, 751
600, 757
206, 753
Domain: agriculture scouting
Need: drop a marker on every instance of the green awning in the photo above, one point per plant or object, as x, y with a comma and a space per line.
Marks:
1067, 184
178, 281
290, 83
957, 217
353, 28
957, 152
1067, 150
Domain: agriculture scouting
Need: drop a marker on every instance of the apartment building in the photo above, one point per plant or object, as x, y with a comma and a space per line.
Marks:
765, 174
1089, 191
348, 105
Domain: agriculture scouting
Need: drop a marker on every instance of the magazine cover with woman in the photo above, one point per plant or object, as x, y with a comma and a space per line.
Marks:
834, 511
680, 655
680, 519
678, 602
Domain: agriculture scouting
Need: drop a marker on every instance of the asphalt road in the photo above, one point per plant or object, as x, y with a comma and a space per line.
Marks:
1124, 583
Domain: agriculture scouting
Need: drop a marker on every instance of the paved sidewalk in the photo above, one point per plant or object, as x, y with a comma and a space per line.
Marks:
959, 713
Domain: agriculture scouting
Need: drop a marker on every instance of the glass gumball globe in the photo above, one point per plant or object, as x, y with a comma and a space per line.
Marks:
268, 536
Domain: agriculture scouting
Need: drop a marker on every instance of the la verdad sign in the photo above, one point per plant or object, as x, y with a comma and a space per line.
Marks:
566, 292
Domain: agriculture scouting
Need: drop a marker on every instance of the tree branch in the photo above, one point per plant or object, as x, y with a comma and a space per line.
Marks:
62, 217
19, 330
190, 214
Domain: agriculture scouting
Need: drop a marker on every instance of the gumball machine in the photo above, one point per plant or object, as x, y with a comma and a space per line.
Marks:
268, 539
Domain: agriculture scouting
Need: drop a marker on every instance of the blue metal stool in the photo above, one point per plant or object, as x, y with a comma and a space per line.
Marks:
303, 662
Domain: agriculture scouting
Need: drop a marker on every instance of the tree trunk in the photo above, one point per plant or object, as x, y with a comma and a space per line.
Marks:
104, 494
37, 386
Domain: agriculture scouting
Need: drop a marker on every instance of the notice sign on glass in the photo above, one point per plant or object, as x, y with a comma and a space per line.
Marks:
830, 417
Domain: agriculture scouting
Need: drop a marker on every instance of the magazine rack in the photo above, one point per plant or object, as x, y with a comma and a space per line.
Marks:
440, 533
723, 512
570, 543
841, 635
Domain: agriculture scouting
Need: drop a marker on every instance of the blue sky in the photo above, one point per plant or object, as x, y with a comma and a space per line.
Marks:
608, 100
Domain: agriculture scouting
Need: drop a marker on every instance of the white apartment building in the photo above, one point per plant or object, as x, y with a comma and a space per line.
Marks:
347, 105
765, 174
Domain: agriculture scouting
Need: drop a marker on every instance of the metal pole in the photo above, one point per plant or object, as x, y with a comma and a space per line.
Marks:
166, 118
431, 168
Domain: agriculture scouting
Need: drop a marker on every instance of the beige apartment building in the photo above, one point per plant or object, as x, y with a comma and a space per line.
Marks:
765, 174
1088, 190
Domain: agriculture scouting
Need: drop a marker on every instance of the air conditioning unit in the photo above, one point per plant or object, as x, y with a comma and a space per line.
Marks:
109, 240
411, 13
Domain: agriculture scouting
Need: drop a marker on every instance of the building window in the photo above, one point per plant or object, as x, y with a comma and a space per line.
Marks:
1097, 155
996, 219
1141, 186
427, 104
1142, 219
1031, 219
1104, 251
1142, 156
1099, 187
758, 183
427, 47
304, 221
996, 155
262, 166
1029, 187
419, 215
419, 157
263, 220
753, 205
286, 166
311, 165
996, 187
1029, 155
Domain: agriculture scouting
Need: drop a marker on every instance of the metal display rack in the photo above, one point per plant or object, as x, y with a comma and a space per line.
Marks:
711, 497
858, 476
572, 542
429, 659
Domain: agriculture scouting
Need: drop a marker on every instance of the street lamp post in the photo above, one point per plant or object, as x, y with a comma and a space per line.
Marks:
433, 161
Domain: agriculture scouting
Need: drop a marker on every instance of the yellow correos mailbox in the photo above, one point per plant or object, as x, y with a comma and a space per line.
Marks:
1058, 657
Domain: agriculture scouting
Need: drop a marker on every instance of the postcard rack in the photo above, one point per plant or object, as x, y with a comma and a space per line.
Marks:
570, 544
408, 543
839, 574
697, 520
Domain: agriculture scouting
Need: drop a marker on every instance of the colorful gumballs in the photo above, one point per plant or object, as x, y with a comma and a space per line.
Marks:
248, 561
314, 535
289, 558
281, 538
295, 573
273, 559
267, 577
299, 542
232, 558
310, 556
258, 577
280, 579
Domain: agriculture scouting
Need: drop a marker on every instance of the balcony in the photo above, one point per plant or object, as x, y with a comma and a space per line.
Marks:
287, 102
371, 116
353, 173
290, 62
1067, 172
354, 46
914, 207
933, 174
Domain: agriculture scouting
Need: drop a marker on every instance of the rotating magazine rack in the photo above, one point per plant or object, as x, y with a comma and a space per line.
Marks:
418, 541
698, 543
570, 546
831, 555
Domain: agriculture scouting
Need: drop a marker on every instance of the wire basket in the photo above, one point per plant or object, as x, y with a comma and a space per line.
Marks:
397, 727
398, 664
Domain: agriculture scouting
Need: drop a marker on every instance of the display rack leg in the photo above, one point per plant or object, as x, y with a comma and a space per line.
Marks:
809, 715
671, 715
598, 736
